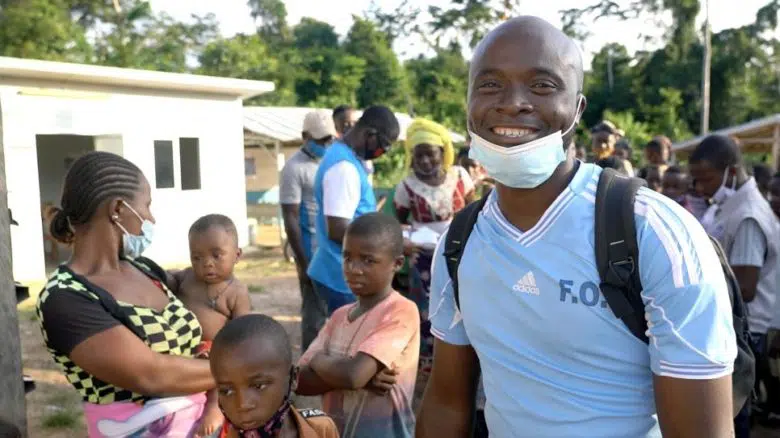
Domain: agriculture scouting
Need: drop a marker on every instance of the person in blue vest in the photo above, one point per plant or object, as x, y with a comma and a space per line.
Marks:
343, 192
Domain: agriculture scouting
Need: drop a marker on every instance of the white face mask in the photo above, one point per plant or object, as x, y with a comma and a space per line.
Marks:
523, 166
724, 192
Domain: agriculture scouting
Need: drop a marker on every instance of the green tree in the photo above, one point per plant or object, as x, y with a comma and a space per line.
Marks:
271, 17
327, 76
248, 57
439, 87
610, 83
41, 29
638, 133
383, 82
457, 20
315, 34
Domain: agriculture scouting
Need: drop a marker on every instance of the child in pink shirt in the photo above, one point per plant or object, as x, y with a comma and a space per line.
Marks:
364, 361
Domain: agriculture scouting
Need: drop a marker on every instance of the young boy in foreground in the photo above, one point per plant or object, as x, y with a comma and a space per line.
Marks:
364, 361
211, 292
251, 360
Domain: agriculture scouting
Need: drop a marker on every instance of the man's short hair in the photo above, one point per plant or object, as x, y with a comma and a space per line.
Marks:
379, 227
382, 119
718, 150
341, 110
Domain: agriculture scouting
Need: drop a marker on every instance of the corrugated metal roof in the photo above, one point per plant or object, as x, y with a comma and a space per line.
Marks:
71, 74
760, 127
284, 124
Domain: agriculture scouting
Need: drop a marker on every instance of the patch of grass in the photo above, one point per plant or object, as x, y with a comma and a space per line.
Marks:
256, 289
61, 399
64, 419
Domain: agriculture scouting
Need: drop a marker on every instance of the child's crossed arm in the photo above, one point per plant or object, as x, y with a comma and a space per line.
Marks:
328, 373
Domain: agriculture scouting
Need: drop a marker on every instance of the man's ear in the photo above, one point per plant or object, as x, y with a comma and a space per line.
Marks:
239, 253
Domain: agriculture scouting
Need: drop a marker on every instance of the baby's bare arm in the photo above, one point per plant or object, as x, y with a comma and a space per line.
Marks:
240, 304
175, 280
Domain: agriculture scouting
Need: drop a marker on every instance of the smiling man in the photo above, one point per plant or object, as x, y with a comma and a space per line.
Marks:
554, 358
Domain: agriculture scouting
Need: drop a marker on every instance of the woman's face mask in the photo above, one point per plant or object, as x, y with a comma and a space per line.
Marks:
133, 246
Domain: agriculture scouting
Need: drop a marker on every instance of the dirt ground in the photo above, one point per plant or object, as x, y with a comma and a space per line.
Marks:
54, 408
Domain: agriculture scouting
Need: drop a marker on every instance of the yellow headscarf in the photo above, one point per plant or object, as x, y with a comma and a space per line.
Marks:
428, 132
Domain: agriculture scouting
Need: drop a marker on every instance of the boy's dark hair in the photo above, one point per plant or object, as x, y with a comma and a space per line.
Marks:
718, 150
93, 179
382, 227
340, 110
382, 120
214, 220
255, 326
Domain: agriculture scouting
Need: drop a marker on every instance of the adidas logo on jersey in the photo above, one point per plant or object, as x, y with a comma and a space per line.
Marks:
527, 285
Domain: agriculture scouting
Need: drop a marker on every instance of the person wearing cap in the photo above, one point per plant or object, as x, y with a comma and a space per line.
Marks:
603, 136
299, 211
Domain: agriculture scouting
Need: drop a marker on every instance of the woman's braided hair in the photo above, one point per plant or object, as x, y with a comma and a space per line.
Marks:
92, 179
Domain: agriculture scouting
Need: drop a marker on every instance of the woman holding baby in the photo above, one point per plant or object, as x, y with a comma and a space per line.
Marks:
108, 316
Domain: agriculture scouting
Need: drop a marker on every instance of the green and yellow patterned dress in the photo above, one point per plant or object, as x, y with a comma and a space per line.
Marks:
71, 309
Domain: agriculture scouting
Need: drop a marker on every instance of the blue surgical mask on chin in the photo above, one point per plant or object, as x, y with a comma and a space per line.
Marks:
133, 246
317, 150
524, 166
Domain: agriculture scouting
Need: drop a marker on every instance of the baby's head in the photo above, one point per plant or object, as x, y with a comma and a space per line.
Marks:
214, 248
373, 253
251, 360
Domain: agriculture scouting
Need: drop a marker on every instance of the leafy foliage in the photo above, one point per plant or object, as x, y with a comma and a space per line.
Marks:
645, 93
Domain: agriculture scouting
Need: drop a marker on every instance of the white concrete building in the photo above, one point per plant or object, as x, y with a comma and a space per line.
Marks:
185, 132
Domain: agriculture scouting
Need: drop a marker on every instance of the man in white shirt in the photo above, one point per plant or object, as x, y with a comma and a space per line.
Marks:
343, 192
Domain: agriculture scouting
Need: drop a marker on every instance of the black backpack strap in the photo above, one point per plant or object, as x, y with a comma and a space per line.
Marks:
617, 251
457, 236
